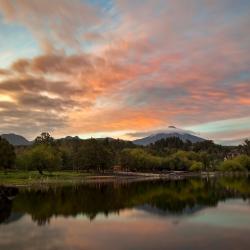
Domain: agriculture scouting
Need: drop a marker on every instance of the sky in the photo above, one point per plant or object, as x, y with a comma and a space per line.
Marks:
121, 68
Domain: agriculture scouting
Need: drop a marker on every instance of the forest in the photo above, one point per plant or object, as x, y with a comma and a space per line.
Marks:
107, 154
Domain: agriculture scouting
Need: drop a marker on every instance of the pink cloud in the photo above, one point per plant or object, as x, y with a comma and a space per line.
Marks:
162, 62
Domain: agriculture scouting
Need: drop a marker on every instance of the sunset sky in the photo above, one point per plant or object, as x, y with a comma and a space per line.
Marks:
123, 68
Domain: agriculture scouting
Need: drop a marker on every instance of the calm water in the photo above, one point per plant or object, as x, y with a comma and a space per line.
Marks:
187, 214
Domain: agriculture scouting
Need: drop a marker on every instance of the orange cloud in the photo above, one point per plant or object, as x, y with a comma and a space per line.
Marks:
244, 101
141, 70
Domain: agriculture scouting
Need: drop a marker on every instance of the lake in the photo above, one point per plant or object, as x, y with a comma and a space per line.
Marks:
195, 213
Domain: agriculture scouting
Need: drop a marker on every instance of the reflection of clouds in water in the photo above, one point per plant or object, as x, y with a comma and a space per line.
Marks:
160, 219
24, 234
150, 215
231, 214
173, 199
130, 232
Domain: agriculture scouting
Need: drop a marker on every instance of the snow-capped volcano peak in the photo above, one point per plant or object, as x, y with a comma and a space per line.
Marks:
171, 131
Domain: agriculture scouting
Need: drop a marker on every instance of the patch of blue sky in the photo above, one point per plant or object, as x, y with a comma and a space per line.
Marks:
111, 19
228, 125
233, 79
104, 4
245, 75
15, 42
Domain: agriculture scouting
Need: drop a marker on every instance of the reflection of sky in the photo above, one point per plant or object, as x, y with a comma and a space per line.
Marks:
222, 227
232, 214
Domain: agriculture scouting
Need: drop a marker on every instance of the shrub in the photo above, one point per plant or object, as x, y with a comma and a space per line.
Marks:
244, 161
231, 165
196, 166
139, 159
181, 160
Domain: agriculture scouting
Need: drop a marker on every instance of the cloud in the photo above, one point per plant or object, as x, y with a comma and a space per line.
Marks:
36, 85
57, 21
228, 129
28, 122
20, 65
93, 37
4, 72
128, 67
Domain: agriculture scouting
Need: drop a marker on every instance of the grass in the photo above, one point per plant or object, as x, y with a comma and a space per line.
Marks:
33, 177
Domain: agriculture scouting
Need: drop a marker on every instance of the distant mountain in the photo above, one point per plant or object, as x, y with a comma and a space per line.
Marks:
16, 140
172, 131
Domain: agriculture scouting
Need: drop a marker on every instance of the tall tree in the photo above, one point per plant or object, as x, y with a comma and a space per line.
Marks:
7, 154
94, 155
41, 158
246, 147
44, 138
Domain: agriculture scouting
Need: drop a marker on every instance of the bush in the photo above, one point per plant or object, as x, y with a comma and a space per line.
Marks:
196, 166
139, 159
244, 161
181, 160
231, 165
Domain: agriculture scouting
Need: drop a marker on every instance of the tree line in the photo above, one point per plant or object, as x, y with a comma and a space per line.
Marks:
73, 153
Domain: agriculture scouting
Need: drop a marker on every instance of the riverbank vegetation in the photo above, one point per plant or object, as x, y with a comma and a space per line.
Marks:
32, 177
99, 155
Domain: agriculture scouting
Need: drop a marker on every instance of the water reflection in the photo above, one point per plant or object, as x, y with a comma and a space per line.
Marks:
188, 214
6, 195
161, 198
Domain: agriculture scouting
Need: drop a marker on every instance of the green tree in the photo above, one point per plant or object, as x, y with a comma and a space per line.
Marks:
246, 147
168, 145
44, 138
196, 166
206, 159
138, 159
41, 158
244, 160
7, 154
93, 155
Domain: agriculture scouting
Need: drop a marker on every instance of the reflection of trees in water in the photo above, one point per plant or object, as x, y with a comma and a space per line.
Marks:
6, 193
5, 209
161, 197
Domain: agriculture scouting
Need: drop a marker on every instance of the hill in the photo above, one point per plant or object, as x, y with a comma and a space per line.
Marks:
16, 140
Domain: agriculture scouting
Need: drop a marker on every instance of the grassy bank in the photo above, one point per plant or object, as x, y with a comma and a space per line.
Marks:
29, 178
33, 177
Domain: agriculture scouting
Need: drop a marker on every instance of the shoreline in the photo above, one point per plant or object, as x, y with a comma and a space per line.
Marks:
70, 178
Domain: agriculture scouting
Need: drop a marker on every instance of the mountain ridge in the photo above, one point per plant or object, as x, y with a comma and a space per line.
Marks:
19, 140
156, 137
16, 140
